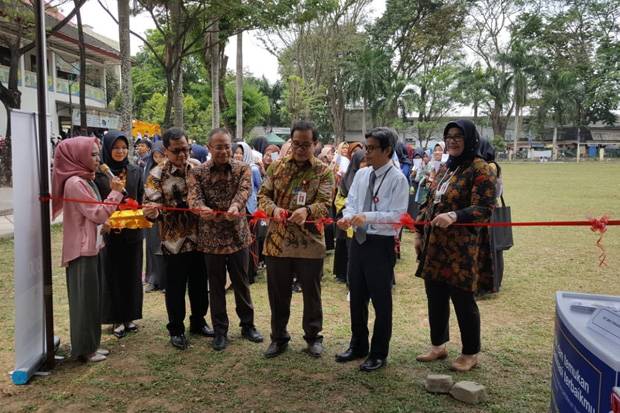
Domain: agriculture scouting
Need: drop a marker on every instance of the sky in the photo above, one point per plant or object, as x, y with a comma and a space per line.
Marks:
256, 60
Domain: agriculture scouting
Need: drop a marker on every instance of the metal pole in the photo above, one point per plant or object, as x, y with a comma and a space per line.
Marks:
44, 183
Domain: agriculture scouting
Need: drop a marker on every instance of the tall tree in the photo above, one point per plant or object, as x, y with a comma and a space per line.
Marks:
239, 88
126, 111
82, 47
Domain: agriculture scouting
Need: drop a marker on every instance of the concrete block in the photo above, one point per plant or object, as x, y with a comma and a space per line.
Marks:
438, 383
469, 392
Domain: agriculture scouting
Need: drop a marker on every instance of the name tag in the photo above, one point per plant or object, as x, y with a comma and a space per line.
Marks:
301, 198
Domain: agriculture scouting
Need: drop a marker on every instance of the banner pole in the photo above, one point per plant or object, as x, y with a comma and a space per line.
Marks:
44, 183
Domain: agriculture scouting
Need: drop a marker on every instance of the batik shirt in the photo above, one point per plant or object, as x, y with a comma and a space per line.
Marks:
283, 183
459, 255
220, 187
167, 185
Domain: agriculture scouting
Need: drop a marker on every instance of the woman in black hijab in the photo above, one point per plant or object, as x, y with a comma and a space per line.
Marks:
121, 258
453, 259
341, 255
155, 274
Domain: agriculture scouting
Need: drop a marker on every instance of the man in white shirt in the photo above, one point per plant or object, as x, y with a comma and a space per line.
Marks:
379, 195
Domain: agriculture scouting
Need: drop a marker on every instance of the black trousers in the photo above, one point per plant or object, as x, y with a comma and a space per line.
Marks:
237, 265
439, 295
186, 270
280, 272
341, 258
371, 270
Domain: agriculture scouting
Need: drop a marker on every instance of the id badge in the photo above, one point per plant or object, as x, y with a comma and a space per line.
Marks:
301, 198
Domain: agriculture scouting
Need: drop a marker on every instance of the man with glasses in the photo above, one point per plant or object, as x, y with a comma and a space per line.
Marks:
224, 184
377, 199
297, 188
166, 186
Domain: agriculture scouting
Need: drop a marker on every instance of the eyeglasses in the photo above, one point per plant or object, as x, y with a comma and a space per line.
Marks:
179, 151
454, 138
221, 148
298, 145
370, 148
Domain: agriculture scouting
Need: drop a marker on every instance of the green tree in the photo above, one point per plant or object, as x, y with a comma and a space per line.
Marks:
255, 106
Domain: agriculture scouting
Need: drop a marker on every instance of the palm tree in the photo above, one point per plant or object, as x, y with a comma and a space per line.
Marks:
239, 87
366, 73
125, 52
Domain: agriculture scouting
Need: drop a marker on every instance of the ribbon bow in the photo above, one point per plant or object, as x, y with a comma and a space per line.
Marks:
129, 204
600, 225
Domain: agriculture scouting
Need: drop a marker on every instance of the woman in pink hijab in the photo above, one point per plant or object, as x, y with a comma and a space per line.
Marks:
75, 162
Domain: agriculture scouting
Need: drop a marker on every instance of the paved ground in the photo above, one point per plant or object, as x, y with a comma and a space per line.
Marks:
6, 213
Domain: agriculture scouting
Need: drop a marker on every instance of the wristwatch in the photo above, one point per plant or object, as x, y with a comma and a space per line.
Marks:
308, 210
453, 215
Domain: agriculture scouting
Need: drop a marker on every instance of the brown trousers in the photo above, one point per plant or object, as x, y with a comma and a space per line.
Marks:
280, 273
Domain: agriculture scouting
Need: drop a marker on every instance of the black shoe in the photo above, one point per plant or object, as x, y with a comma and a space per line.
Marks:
315, 349
371, 364
203, 331
179, 341
275, 349
251, 334
296, 287
219, 343
349, 355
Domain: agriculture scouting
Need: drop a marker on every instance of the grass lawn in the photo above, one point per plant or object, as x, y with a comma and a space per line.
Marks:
144, 373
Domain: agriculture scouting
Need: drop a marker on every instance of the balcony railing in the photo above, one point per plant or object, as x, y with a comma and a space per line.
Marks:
62, 85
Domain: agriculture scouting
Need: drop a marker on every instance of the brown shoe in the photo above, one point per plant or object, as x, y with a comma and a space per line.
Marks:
465, 362
433, 355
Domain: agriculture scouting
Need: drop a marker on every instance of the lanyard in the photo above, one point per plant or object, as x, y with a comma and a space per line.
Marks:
442, 186
375, 198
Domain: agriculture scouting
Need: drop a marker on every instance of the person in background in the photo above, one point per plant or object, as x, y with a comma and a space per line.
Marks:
492, 285
123, 252
199, 152
296, 188
272, 152
403, 159
453, 259
224, 184
166, 186
243, 153
343, 237
377, 198
155, 275
143, 149
75, 163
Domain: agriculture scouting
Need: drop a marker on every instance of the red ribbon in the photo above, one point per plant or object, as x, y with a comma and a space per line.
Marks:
600, 225
321, 222
129, 204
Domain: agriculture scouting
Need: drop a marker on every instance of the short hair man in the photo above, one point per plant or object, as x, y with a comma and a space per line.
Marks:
166, 186
297, 187
378, 197
224, 184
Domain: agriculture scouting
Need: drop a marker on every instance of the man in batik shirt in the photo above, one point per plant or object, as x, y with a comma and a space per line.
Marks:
223, 184
296, 189
166, 186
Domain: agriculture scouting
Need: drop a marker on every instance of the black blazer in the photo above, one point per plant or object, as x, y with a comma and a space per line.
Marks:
135, 189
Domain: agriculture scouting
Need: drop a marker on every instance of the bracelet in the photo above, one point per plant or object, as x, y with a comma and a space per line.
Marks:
453, 215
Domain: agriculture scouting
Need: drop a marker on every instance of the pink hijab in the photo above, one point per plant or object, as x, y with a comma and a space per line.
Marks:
72, 158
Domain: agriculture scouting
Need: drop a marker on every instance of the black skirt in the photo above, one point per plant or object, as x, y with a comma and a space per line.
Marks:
121, 281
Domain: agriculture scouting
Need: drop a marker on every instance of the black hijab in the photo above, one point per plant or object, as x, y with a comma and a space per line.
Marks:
150, 159
487, 152
259, 144
354, 166
106, 154
472, 142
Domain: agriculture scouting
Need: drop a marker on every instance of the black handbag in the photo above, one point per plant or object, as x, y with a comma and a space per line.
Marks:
502, 236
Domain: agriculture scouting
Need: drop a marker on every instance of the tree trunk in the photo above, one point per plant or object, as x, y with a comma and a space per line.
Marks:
516, 137
125, 53
168, 111
82, 47
364, 108
555, 143
578, 143
178, 97
239, 87
215, 75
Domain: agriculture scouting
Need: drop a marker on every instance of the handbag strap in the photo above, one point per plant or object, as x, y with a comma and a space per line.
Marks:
502, 198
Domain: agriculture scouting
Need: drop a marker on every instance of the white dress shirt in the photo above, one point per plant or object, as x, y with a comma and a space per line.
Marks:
392, 196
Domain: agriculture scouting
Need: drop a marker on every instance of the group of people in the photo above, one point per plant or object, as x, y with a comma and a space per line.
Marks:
202, 234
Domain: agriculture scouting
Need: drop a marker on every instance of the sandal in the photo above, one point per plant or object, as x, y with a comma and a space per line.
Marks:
119, 330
